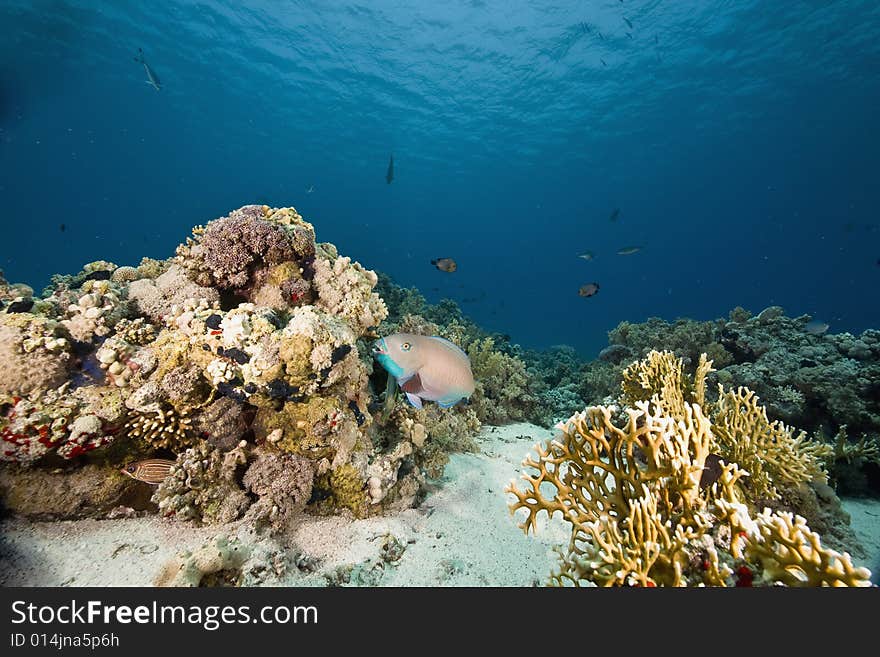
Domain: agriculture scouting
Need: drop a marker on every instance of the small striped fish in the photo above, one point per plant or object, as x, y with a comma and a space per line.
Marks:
151, 471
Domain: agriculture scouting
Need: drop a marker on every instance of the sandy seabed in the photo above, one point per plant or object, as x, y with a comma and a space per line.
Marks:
462, 535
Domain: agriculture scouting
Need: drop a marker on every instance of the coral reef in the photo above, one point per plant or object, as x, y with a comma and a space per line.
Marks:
35, 352
502, 392
283, 483
249, 334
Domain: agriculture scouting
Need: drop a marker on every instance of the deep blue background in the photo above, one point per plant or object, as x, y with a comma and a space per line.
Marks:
739, 140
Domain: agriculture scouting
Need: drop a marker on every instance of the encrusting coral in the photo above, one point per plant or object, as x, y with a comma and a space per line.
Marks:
653, 503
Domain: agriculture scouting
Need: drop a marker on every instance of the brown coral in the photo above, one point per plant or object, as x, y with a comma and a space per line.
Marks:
283, 483
230, 249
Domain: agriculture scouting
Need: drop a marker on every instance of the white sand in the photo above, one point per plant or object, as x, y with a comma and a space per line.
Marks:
463, 535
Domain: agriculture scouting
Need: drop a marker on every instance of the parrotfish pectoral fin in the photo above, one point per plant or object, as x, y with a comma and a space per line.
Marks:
411, 384
415, 400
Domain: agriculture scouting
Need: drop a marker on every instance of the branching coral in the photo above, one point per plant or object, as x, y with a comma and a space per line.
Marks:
164, 427
639, 515
661, 374
770, 451
789, 552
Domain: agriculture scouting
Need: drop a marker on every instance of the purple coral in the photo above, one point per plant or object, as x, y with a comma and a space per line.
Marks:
232, 247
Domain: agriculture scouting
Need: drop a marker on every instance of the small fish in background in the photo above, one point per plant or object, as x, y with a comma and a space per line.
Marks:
152, 78
627, 21
310, 189
62, 227
151, 471
600, 35
629, 250
389, 175
426, 368
445, 264
603, 62
629, 34
615, 214
588, 290
588, 255
816, 327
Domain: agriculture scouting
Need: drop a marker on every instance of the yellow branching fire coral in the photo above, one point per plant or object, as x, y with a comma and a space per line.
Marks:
660, 374
648, 507
770, 451
631, 494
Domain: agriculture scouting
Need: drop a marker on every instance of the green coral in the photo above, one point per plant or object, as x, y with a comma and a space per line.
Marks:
502, 392
342, 488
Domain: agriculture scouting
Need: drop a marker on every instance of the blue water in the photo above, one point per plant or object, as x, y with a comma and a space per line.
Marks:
739, 140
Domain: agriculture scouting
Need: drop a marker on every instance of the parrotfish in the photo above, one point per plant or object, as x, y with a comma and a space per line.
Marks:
426, 368
152, 78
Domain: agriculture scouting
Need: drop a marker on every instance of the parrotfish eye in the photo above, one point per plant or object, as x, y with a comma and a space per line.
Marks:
406, 346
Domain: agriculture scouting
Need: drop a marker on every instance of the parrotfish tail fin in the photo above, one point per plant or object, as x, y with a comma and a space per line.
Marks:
415, 400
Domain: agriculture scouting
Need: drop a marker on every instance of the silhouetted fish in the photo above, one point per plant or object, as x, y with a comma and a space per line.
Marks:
389, 175
445, 264
587, 255
62, 227
603, 62
588, 290
816, 327
614, 214
152, 78
627, 21
629, 250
